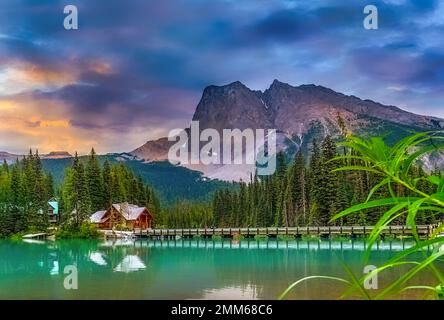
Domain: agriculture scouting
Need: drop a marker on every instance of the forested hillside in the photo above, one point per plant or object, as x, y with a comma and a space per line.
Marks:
87, 186
172, 183
300, 194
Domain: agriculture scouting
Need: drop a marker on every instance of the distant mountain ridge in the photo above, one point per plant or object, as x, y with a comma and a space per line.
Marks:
10, 157
299, 113
286, 108
172, 183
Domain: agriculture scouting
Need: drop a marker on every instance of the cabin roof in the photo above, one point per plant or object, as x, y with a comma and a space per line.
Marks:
55, 206
130, 211
97, 217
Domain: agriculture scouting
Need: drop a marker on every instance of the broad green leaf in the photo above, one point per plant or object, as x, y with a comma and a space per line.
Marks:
388, 217
434, 180
284, 294
377, 187
371, 274
355, 281
408, 162
416, 248
372, 204
410, 274
411, 216
356, 168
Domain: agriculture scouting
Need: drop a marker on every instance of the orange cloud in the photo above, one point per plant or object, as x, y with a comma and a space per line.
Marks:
30, 121
50, 123
24, 123
6, 105
22, 77
36, 74
100, 67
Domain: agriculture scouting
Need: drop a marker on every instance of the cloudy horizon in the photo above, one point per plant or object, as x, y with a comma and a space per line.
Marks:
136, 69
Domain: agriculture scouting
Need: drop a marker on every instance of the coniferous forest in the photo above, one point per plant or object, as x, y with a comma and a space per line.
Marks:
87, 187
24, 191
305, 190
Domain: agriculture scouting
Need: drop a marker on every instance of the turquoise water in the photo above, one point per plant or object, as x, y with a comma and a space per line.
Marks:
184, 269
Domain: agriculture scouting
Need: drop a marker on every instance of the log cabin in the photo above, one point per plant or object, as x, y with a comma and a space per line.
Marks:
123, 214
53, 210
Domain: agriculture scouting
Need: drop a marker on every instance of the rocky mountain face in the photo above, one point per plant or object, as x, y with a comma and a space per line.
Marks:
57, 155
293, 109
308, 103
155, 150
233, 106
298, 113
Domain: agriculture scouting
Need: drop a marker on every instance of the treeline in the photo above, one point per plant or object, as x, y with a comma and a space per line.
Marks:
25, 189
185, 214
299, 194
24, 192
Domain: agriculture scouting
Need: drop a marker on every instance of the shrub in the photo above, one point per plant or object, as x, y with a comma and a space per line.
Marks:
84, 231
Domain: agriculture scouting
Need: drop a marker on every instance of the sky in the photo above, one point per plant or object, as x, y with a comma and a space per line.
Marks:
136, 69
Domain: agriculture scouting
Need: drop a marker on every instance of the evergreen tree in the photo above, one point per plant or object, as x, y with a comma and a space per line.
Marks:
279, 190
296, 193
107, 185
95, 182
328, 182
80, 196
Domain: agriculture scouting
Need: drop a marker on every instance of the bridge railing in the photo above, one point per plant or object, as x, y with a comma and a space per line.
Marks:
423, 230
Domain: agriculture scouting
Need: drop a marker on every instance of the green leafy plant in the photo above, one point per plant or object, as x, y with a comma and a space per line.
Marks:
84, 231
393, 166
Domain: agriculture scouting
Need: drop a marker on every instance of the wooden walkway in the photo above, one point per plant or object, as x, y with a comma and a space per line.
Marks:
35, 236
326, 231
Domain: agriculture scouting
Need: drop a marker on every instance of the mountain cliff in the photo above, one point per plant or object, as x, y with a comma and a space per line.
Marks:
299, 113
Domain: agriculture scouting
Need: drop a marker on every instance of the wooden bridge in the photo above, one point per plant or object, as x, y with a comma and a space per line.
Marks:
324, 231
41, 235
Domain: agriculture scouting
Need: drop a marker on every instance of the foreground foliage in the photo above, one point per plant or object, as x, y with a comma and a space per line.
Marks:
298, 194
406, 200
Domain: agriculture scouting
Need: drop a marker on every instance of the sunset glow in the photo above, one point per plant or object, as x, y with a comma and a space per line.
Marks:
135, 72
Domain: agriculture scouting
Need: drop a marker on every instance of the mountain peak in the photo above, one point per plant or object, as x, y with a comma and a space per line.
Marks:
232, 85
278, 84
57, 155
298, 113
236, 84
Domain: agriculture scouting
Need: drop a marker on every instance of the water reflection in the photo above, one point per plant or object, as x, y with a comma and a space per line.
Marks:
98, 258
230, 293
55, 269
129, 264
184, 269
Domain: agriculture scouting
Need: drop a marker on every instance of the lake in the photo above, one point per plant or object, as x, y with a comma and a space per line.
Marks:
186, 269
